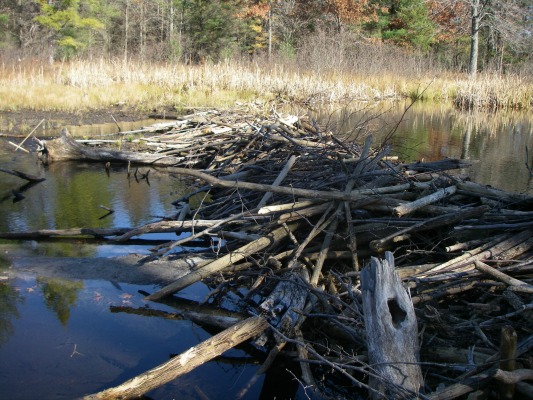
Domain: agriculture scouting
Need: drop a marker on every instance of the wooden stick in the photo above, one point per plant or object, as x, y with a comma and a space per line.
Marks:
220, 264
507, 359
185, 362
516, 285
17, 146
282, 175
447, 219
500, 244
29, 134
408, 208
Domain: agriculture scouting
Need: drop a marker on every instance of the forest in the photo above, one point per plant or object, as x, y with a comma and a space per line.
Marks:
451, 35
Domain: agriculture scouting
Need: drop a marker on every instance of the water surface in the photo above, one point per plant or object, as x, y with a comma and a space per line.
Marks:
59, 339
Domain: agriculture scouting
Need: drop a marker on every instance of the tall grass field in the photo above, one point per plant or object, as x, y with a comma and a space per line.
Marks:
81, 85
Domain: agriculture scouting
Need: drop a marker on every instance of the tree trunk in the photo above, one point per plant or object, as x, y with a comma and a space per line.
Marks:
392, 333
474, 38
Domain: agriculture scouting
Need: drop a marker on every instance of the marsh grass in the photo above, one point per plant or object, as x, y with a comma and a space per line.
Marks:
83, 85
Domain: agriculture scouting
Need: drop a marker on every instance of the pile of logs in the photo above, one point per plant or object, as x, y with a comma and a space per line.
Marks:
380, 278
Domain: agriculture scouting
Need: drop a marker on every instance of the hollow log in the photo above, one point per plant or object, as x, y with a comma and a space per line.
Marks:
391, 328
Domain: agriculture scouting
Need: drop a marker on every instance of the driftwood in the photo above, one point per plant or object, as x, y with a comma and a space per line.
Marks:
186, 361
301, 211
391, 329
65, 148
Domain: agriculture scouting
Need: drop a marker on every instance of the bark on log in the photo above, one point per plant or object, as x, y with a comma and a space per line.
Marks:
185, 362
65, 148
391, 329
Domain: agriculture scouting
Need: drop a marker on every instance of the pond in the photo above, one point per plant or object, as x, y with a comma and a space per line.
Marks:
495, 143
59, 338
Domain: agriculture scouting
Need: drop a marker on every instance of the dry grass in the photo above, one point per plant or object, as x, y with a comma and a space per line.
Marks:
83, 85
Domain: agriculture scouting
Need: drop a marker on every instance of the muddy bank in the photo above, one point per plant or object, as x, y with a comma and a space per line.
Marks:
125, 269
21, 122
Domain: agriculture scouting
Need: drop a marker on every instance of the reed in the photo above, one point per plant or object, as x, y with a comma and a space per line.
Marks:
97, 84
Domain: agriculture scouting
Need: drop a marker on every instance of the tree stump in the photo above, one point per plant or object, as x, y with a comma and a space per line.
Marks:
392, 334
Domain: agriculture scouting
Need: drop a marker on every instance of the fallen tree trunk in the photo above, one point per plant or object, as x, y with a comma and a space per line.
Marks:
65, 148
186, 361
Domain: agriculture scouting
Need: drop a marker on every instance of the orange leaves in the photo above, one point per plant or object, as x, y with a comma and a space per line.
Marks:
350, 12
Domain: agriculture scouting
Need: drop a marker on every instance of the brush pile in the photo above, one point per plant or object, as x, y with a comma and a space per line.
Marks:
296, 215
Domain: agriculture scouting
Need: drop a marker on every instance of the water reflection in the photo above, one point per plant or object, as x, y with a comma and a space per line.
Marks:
9, 298
60, 295
495, 142
76, 194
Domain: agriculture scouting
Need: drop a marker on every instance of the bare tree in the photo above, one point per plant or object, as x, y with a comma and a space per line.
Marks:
503, 18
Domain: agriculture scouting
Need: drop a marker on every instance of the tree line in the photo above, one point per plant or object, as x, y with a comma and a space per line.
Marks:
458, 34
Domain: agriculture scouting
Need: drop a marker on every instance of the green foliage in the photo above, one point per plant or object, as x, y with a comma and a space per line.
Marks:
4, 20
407, 23
71, 22
212, 28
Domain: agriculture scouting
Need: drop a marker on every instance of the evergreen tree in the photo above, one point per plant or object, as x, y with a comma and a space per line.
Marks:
70, 24
212, 28
406, 23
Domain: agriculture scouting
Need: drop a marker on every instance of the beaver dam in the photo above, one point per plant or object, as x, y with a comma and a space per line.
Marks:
382, 279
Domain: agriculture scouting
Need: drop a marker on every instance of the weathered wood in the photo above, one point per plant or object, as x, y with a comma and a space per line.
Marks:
513, 377
391, 328
220, 264
185, 362
442, 220
408, 208
508, 360
515, 284
283, 173
65, 148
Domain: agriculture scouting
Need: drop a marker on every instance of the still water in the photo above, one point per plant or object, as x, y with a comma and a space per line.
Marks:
495, 143
58, 337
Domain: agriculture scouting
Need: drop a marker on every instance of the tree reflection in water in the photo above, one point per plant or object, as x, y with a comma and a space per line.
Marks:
9, 297
60, 295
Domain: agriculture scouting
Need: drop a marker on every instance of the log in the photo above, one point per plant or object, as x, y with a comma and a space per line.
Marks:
185, 362
65, 148
391, 329
220, 264
507, 360
408, 208
56, 233
516, 285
